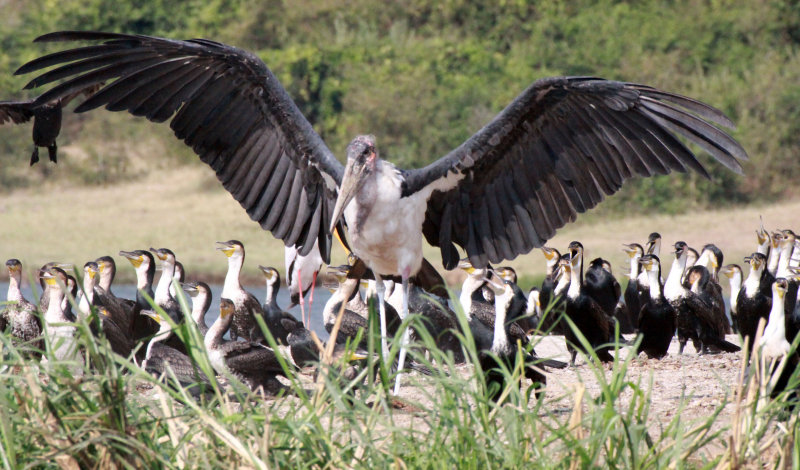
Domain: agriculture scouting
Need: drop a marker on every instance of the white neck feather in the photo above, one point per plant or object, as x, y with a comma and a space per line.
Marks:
673, 288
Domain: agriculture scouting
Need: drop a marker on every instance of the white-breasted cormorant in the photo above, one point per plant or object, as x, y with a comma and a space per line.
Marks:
59, 330
657, 318
754, 300
634, 299
201, 301
20, 315
733, 272
274, 316
247, 305
255, 364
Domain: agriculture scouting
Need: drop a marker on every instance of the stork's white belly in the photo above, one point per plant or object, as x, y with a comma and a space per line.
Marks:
389, 239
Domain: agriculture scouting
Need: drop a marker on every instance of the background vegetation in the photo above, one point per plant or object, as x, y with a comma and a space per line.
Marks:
424, 75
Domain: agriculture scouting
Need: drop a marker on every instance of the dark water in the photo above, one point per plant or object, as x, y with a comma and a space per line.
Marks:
321, 295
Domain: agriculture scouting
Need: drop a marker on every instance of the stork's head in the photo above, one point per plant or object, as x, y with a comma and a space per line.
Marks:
362, 158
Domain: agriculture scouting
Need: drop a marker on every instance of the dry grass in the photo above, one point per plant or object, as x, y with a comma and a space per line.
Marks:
187, 210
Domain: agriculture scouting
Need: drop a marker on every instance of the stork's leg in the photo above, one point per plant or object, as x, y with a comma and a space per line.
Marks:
302, 299
381, 291
404, 342
311, 296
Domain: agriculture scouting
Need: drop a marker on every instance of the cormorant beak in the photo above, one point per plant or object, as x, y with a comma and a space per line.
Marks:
497, 288
352, 259
49, 279
103, 311
357, 356
135, 260
154, 315
465, 265
269, 273
189, 288
159, 254
226, 248
762, 236
548, 252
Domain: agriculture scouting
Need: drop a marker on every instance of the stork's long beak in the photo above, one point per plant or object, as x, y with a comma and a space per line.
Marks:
347, 191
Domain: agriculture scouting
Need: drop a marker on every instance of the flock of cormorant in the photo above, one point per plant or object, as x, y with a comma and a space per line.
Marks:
499, 316
555, 151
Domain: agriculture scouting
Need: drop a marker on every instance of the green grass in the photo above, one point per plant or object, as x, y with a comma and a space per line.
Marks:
108, 419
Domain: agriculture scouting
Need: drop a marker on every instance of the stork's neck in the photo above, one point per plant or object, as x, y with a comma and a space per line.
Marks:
673, 288
14, 290
165, 281
655, 284
232, 277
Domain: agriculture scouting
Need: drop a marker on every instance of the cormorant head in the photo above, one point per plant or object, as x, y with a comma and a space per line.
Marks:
164, 254
225, 307
339, 273
53, 276
231, 248
681, 248
757, 261
362, 159
551, 254
633, 250
779, 287
106, 264
650, 262
271, 274
653, 246
90, 270
466, 266
14, 267
575, 253
696, 277
762, 236
138, 258
731, 270
787, 237
507, 273
191, 288
713, 254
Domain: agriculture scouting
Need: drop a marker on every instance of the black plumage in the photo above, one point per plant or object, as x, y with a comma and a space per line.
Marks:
754, 301
256, 365
274, 316
557, 150
601, 285
587, 315
633, 299
708, 325
46, 119
657, 319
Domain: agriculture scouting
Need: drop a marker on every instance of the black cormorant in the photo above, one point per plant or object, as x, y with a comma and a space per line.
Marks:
754, 300
657, 318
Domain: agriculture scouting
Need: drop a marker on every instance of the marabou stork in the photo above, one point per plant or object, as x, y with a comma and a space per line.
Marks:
558, 149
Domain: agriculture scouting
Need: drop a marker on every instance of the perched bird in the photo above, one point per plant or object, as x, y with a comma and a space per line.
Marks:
246, 305
709, 325
657, 318
633, 295
143, 326
256, 365
201, 302
775, 345
163, 296
121, 310
274, 316
601, 285
734, 274
711, 258
164, 361
754, 301
552, 257
587, 315
552, 153
59, 331
20, 316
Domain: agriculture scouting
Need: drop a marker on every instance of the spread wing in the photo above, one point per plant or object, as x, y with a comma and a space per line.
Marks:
15, 112
226, 105
558, 149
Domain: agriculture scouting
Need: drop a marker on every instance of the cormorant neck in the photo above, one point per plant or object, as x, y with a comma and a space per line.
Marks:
272, 293
736, 286
215, 332
470, 285
55, 310
752, 283
338, 297
165, 281
575, 282
773, 258
106, 278
673, 287
232, 276
162, 335
783, 262
200, 304
14, 288
634, 274
655, 284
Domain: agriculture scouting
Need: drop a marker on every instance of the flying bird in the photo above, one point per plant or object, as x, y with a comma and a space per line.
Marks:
556, 150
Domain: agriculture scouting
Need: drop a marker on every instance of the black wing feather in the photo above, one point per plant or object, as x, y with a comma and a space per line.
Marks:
567, 142
226, 105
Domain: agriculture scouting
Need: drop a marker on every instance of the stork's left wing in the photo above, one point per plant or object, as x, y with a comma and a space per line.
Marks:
558, 149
